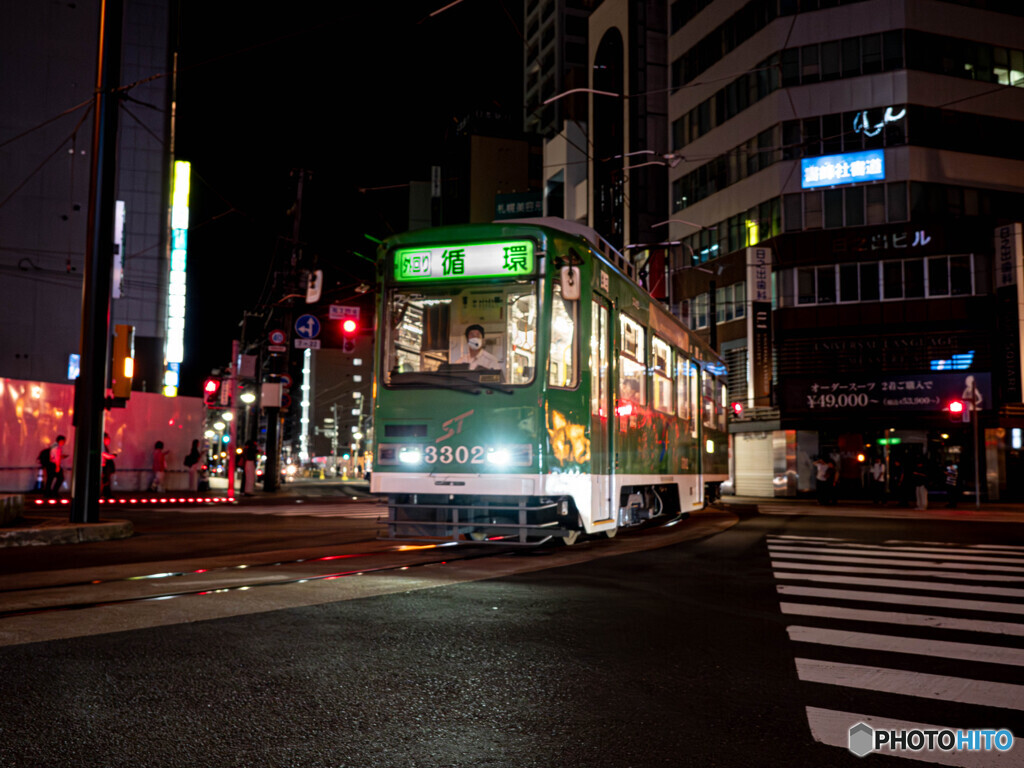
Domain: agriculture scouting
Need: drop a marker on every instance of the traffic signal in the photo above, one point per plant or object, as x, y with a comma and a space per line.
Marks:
349, 330
211, 393
737, 410
122, 366
957, 410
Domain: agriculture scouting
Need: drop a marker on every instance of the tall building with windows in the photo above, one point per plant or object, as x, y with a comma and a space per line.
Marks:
850, 181
49, 63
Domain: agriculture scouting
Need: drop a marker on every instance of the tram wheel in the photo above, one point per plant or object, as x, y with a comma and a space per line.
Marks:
610, 533
569, 540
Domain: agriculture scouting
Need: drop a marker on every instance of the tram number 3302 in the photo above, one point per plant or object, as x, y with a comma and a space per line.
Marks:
463, 454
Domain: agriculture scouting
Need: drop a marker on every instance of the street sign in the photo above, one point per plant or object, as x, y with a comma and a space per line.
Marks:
307, 343
277, 337
342, 311
307, 327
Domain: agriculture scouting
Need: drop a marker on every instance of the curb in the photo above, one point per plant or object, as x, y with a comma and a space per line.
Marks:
34, 535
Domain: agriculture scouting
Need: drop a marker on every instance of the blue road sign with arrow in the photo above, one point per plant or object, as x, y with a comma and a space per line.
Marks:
308, 327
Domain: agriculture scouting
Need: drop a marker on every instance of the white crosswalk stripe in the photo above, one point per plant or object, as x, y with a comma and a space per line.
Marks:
899, 605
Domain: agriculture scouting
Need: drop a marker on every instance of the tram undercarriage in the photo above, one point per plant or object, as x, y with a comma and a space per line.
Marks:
516, 520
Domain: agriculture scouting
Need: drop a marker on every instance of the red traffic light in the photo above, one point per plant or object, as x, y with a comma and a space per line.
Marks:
349, 326
211, 392
957, 411
737, 409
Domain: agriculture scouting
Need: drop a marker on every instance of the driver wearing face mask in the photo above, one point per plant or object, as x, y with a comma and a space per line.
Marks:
477, 357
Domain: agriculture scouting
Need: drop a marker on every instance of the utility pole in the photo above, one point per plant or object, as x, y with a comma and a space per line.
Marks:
273, 448
99, 261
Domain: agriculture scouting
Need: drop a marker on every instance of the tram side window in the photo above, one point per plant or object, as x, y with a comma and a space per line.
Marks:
562, 353
682, 387
661, 364
710, 400
522, 336
722, 404
598, 358
631, 362
688, 392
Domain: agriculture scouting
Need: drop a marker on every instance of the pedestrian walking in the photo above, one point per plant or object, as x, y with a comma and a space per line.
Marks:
194, 461
952, 484
832, 481
249, 457
821, 480
159, 467
920, 479
877, 474
55, 467
107, 467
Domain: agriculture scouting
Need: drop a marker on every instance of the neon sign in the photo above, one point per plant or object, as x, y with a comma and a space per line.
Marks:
176, 282
848, 168
862, 124
511, 258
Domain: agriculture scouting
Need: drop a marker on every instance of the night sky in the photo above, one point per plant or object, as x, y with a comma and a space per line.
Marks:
360, 95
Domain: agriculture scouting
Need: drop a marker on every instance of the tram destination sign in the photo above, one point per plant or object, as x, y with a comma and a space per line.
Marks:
509, 258
851, 395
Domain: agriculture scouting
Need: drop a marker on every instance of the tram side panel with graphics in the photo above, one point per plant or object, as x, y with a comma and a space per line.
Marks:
527, 388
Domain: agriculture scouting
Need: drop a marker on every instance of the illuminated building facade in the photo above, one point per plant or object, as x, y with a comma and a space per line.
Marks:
851, 171
50, 53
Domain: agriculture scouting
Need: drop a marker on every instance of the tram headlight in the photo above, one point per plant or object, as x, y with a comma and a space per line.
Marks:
499, 456
410, 455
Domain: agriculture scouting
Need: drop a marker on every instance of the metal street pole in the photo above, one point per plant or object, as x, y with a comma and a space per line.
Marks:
974, 418
99, 260
233, 410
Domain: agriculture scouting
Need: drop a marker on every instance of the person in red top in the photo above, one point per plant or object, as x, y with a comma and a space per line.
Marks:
159, 467
55, 469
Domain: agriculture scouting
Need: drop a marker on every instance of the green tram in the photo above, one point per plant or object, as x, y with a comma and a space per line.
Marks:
528, 388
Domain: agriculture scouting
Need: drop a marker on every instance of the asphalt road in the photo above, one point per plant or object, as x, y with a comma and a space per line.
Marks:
684, 654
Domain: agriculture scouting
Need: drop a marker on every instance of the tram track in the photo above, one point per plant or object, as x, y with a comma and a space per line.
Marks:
268, 577
35, 611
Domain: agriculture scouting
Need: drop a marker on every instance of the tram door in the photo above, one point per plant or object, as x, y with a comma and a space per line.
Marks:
601, 421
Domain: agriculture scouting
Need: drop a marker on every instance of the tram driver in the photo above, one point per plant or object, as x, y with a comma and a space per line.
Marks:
477, 356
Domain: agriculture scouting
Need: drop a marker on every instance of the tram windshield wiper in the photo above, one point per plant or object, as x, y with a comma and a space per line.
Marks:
441, 381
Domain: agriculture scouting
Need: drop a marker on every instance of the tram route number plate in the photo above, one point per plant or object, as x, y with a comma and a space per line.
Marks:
517, 455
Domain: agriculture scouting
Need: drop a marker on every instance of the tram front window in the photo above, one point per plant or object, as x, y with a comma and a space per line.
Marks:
447, 336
